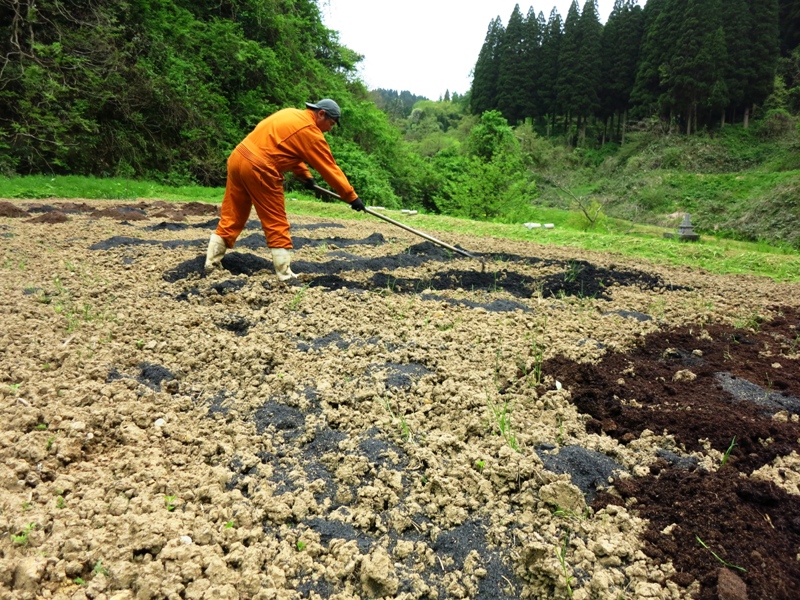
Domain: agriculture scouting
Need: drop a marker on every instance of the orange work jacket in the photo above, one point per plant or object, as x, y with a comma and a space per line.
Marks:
287, 140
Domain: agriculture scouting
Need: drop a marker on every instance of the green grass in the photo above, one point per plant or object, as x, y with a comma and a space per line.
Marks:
75, 186
716, 255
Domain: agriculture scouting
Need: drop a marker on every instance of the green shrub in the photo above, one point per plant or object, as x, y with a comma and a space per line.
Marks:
776, 124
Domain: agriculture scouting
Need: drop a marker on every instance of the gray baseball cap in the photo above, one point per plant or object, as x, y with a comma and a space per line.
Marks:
329, 106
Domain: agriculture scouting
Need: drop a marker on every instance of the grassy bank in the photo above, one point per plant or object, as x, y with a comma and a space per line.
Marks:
643, 242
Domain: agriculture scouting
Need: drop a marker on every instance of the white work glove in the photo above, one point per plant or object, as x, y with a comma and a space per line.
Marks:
282, 258
216, 250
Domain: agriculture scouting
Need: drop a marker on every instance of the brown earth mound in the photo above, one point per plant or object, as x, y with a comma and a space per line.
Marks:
55, 216
7, 209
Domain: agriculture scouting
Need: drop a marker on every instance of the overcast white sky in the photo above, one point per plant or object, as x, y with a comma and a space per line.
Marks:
426, 46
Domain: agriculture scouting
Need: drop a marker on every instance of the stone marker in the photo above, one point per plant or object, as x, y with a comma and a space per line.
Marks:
685, 231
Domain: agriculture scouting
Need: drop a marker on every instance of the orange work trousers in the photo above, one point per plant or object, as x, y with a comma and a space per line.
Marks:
251, 185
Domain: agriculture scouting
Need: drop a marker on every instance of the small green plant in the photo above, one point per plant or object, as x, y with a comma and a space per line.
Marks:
561, 554
574, 269
139, 344
15, 388
230, 524
169, 502
41, 427
748, 321
727, 564
22, 538
50, 441
501, 421
298, 297
560, 436
79, 581
727, 454
301, 545
99, 569
405, 430
479, 464
60, 503
26, 506
538, 360
565, 513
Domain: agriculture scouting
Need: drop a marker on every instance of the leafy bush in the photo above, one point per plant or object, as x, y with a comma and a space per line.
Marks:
776, 124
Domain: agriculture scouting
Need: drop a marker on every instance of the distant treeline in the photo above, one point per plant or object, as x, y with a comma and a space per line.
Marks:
693, 63
394, 103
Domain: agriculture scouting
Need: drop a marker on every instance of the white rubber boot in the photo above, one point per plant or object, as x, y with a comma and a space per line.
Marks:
282, 258
216, 250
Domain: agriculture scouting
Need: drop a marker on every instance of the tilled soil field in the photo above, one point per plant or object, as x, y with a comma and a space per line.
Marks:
401, 423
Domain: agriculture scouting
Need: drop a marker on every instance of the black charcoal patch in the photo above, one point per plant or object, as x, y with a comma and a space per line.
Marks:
240, 474
471, 535
41, 208
228, 286
210, 224
184, 296
589, 470
334, 282
687, 358
236, 324
630, 314
520, 286
745, 391
281, 417
167, 226
194, 266
329, 339
431, 250
114, 375
336, 530
234, 262
493, 306
257, 241
400, 376
381, 453
311, 394
121, 240
128, 260
217, 406
585, 280
383, 263
685, 463
153, 375
325, 440
213, 223
320, 587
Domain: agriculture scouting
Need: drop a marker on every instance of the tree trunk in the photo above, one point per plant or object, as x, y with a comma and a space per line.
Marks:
624, 125
747, 117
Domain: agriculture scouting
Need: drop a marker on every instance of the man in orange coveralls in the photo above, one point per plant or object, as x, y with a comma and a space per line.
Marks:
282, 142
